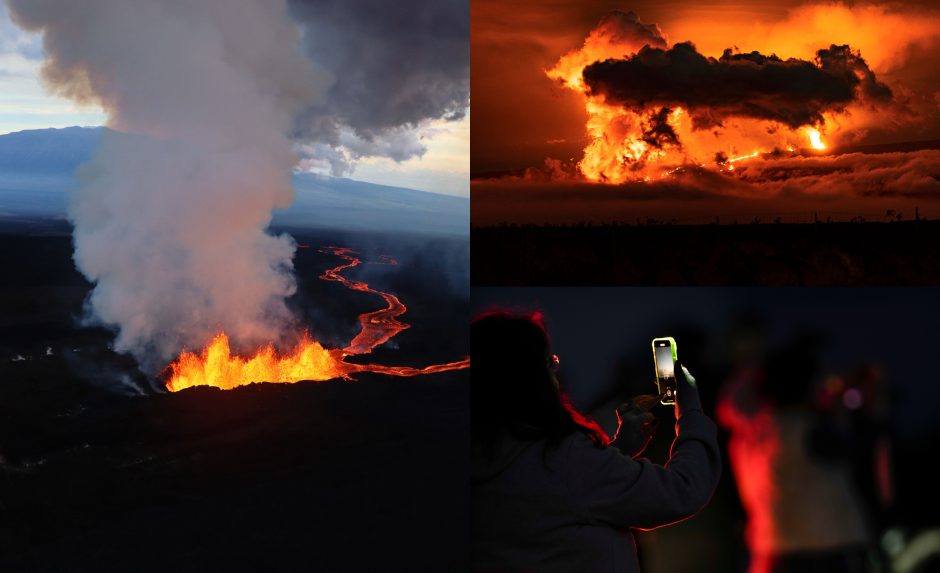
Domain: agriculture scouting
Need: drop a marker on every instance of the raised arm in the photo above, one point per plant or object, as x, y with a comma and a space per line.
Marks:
622, 492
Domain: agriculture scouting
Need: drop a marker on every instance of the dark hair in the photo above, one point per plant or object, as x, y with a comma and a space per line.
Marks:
511, 385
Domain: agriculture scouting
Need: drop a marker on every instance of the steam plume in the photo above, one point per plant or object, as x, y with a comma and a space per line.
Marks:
618, 34
171, 213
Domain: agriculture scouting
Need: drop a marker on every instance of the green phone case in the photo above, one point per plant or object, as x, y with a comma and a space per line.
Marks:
675, 359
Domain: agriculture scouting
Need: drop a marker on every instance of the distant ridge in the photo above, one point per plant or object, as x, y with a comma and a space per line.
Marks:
37, 168
48, 151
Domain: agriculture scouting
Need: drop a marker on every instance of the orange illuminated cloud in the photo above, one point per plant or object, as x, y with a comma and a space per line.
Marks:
883, 33
652, 110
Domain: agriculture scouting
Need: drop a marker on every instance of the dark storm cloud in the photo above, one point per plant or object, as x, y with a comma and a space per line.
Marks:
393, 65
793, 92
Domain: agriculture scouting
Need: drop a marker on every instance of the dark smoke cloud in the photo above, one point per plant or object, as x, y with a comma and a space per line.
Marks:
393, 67
793, 92
657, 131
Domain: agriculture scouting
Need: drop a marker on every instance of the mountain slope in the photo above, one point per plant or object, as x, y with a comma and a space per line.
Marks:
48, 151
326, 202
37, 168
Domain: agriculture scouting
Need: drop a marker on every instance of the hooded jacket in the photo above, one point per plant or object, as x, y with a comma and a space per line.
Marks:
570, 506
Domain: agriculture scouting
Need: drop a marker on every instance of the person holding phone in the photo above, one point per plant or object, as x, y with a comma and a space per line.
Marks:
550, 491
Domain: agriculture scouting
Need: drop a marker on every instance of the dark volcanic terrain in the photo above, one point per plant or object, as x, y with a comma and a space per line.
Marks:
100, 471
821, 254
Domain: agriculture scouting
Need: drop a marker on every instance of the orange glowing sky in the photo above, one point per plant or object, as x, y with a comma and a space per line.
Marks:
521, 117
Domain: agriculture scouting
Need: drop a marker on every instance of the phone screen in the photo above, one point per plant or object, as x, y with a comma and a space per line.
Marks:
664, 365
665, 370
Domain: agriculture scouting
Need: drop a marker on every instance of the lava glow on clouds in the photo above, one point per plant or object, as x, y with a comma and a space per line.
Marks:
652, 108
646, 107
771, 106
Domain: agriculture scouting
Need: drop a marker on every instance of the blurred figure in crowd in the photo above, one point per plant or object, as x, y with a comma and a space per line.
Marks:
550, 490
790, 464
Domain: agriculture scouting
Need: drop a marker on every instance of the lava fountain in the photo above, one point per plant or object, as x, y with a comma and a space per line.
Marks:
815, 138
216, 366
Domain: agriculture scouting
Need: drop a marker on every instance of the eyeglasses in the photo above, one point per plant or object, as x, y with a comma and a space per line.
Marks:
553, 363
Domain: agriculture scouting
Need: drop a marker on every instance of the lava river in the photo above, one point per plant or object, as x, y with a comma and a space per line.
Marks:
309, 360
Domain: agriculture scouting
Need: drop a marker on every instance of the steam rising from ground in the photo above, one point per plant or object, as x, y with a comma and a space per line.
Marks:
171, 213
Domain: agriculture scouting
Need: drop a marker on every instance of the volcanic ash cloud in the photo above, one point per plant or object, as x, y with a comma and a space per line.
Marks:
792, 92
171, 215
653, 108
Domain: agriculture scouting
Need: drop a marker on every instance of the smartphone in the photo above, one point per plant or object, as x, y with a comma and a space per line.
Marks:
664, 361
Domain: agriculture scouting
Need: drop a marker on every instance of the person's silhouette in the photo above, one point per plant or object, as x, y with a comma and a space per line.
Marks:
550, 491
804, 514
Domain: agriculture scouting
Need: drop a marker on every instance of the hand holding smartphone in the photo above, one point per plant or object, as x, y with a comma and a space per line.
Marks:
664, 361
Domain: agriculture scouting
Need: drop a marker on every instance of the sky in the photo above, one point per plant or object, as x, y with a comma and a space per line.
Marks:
24, 104
574, 119
443, 166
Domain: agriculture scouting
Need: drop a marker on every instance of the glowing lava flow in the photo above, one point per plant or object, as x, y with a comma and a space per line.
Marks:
731, 160
815, 138
378, 326
216, 366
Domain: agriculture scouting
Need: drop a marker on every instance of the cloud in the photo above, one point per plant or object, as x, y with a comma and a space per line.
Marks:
13, 40
792, 92
393, 69
615, 36
911, 175
346, 148
885, 33
845, 186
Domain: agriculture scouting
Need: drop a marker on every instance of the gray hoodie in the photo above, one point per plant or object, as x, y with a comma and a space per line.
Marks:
570, 507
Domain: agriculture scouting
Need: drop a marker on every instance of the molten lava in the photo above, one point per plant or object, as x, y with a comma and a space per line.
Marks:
216, 366
309, 360
378, 326
815, 138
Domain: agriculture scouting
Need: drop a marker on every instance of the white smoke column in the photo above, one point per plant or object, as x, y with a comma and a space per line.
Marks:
171, 215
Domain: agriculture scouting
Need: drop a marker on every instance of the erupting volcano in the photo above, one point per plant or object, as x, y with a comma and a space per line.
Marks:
309, 360
652, 108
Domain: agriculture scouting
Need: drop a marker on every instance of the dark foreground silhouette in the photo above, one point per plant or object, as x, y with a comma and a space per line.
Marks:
329, 476
272, 477
550, 490
823, 254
